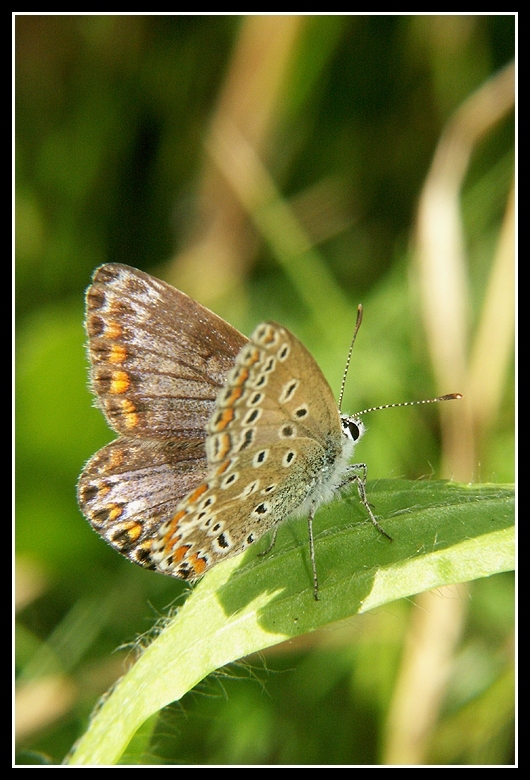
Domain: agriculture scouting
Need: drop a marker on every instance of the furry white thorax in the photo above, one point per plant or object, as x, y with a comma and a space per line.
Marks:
327, 488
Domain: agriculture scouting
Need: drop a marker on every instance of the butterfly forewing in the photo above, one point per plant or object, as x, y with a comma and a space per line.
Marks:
158, 358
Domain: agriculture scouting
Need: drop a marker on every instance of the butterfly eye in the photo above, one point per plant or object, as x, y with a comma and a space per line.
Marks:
354, 430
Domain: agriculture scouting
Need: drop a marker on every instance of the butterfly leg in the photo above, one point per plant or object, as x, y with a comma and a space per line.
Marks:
312, 551
271, 545
360, 480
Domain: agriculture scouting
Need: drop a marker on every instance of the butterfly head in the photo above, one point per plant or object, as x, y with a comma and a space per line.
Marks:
352, 428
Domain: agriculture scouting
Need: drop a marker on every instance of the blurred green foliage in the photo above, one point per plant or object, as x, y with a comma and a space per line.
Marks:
111, 113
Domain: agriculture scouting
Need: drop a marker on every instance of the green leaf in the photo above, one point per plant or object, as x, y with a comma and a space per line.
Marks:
443, 533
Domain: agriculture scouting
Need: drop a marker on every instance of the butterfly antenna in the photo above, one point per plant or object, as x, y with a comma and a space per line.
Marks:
357, 326
448, 397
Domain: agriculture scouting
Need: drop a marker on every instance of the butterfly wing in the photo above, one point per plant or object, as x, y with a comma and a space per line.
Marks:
158, 360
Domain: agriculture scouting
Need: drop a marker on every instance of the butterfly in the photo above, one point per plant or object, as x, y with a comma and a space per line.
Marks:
221, 438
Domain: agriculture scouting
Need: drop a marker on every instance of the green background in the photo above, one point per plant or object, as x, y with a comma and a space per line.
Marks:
112, 114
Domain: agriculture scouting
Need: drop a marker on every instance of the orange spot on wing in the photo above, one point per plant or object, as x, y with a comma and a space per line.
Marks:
198, 492
234, 396
121, 382
115, 512
117, 354
134, 532
222, 446
224, 419
180, 553
199, 565
175, 520
241, 378
254, 358
113, 330
129, 413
